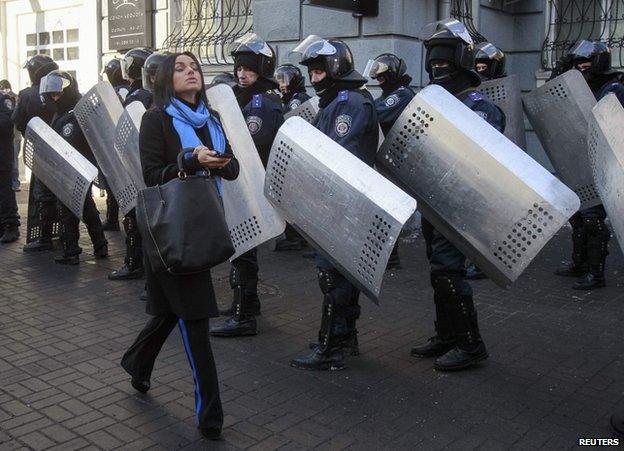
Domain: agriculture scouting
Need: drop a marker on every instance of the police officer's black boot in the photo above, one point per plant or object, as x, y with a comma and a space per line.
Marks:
443, 341
597, 251
133, 262
394, 262
70, 233
112, 213
11, 234
328, 354
243, 273
242, 322
46, 215
578, 267
95, 229
469, 349
292, 240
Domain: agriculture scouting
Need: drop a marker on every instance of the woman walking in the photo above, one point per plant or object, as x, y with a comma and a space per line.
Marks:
180, 119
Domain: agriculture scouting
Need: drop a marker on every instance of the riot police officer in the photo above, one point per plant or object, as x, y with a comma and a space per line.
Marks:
590, 234
347, 115
254, 64
132, 65
9, 218
489, 61
61, 88
457, 343
223, 78
292, 88
41, 202
112, 70
391, 73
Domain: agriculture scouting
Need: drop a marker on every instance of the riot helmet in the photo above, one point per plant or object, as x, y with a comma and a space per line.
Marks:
491, 60
596, 52
133, 61
5, 86
253, 52
448, 40
388, 66
59, 82
332, 56
38, 66
112, 70
150, 67
289, 78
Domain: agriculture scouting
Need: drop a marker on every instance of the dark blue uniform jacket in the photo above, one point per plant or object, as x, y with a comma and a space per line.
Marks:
389, 107
264, 117
295, 101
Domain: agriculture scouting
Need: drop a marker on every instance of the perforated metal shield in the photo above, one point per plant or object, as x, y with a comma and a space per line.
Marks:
127, 143
348, 211
489, 198
559, 112
505, 93
58, 165
249, 215
97, 113
606, 155
307, 110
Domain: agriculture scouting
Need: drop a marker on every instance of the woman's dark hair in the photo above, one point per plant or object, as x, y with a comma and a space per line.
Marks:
163, 83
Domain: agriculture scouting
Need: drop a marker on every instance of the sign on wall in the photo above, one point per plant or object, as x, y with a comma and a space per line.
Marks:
357, 7
129, 24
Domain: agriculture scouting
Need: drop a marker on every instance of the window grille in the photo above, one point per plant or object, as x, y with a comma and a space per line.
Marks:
571, 21
208, 27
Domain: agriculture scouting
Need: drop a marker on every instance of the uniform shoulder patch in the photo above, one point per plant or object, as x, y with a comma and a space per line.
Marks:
256, 101
343, 125
68, 129
391, 100
483, 114
343, 96
475, 96
295, 103
9, 104
254, 124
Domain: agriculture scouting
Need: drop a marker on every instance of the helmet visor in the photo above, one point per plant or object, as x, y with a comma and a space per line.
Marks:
126, 62
283, 78
251, 42
374, 69
584, 49
311, 47
53, 83
448, 28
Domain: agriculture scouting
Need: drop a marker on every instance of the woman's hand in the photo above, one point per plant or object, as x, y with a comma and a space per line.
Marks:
209, 158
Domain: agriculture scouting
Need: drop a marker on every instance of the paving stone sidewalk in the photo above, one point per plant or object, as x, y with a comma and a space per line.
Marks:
555, 372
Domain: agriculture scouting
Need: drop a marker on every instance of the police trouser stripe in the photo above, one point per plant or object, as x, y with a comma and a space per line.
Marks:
189, 354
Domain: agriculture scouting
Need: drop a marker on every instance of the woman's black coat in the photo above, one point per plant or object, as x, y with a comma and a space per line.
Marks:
188, 297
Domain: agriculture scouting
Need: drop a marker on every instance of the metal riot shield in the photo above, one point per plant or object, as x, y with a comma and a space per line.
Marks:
606, 154
58, 165
98, 112
307, 110
489, 198
348, 211
250, 217
127, 143
559, 112
505, 93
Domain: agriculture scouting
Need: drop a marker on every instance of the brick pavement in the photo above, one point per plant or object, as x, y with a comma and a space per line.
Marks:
555, 373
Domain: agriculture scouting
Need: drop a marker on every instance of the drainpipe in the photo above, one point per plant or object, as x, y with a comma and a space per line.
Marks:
444, 9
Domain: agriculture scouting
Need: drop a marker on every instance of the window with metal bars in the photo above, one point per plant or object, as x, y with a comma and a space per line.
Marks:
462, 11
571, 21
208, 27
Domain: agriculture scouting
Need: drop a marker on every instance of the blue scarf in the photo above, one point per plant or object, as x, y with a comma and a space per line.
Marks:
186, 121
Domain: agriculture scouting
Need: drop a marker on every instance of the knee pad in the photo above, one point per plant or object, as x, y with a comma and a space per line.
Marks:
326, 280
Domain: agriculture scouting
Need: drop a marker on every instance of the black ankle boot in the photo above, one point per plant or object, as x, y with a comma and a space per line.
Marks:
434, 347
331, 359
459, 359
348, 343
571, 269
67, 260
236, 326
126, 273
38, 245
254, 306
140, 386
101, 250
11, 234
589, 282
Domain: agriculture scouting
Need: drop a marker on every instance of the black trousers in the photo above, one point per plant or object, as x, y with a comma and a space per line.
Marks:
70, 227
8, 204
134, 244
139, 360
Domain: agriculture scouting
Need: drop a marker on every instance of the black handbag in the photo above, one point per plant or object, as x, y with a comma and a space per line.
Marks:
182, 224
